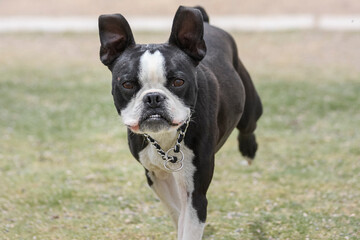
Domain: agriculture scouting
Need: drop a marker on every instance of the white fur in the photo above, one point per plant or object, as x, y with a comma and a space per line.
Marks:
152, 79
152, 69
151, 159
173, 188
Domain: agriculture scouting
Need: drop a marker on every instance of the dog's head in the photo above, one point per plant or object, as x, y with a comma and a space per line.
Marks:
154, 85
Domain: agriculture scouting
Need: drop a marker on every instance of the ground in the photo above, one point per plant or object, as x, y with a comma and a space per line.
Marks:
67, 173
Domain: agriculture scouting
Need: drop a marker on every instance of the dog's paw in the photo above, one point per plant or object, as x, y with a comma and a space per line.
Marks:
248, 146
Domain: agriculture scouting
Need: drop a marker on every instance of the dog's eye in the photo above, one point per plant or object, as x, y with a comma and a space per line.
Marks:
178, 83
128, 85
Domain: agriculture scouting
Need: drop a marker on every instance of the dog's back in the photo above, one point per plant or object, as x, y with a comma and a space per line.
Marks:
222, 58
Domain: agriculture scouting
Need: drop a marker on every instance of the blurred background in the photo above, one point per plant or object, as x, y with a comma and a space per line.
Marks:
65, 168
163, 7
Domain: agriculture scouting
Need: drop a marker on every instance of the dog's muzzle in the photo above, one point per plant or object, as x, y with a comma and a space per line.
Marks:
155, 117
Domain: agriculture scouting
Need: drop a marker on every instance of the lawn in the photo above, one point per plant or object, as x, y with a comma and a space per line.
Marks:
66, 172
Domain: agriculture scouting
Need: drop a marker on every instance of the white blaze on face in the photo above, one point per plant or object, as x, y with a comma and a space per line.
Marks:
152, 78
152, 70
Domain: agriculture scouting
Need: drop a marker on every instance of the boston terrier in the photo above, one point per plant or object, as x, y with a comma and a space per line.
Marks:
180, 102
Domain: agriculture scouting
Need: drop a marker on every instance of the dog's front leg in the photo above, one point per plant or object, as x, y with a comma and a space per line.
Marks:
176, 192
166, 188
190, 226
194, 182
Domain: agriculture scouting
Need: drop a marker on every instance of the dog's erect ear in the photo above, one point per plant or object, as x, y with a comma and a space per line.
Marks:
115, 36
187, 32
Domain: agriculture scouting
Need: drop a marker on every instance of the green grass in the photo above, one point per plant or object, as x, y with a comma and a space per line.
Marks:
66, 172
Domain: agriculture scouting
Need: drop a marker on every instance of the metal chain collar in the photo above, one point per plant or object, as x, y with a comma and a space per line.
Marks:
174, 156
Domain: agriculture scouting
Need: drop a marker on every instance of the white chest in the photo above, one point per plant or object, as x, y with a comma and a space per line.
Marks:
153, 162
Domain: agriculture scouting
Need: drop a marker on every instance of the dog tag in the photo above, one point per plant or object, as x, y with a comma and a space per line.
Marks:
178, 165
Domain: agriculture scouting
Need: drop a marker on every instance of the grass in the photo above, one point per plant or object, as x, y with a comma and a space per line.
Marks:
66, 172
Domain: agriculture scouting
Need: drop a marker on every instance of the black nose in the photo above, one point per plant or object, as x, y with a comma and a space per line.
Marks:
153, 99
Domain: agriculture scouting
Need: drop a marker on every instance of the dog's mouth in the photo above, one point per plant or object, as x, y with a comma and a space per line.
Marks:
157, 118
155, 122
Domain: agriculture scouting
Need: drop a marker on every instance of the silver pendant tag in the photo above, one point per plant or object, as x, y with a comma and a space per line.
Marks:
178, 165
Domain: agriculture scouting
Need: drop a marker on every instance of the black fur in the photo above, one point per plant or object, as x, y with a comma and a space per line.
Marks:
218, 88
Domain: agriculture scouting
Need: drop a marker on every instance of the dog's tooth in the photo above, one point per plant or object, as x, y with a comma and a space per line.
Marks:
155, 116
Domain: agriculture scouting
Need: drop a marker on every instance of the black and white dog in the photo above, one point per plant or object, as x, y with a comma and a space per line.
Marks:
180, 101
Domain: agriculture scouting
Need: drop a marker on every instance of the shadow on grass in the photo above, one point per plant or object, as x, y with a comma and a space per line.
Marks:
257, 230
209, 231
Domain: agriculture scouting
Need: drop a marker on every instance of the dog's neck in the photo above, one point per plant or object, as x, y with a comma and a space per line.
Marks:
166, 140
